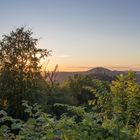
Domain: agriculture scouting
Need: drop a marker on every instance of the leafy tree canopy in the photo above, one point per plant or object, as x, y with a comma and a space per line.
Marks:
19, 66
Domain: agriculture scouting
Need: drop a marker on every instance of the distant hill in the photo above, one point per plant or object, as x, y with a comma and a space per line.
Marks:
98, 72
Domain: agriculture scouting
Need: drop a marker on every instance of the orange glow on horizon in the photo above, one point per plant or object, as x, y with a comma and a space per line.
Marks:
67, 64
65, 68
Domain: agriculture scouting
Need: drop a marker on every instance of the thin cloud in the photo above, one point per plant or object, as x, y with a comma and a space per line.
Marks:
63, 56
130, 67
137, 65
82, 67
120, 67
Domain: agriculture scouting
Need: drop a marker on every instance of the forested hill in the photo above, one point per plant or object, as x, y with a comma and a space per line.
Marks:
98, 72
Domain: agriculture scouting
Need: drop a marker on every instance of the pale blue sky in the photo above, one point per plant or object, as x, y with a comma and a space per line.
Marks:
81, 33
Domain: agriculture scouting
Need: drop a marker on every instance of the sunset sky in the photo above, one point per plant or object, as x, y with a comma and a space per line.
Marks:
81, 33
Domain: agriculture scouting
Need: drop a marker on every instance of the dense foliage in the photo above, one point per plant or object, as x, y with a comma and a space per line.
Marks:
35, 107
19, 69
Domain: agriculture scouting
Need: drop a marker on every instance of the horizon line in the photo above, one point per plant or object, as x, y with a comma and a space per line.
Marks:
113, 68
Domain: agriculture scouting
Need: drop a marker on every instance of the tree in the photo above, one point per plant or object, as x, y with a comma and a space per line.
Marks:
126, 99
50, 77
20, 68
78, 86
